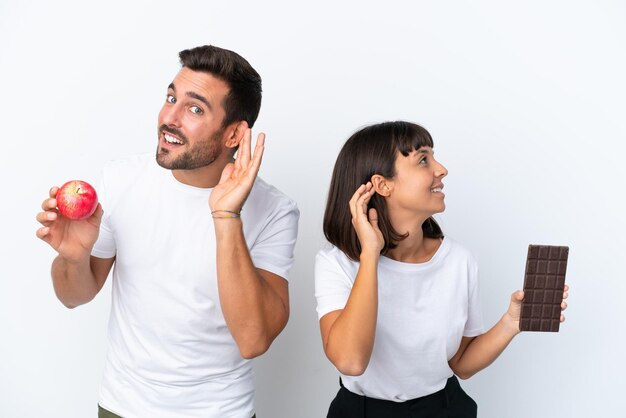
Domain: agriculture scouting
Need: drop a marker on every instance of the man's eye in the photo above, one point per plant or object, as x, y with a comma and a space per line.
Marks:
196, 110
170, 99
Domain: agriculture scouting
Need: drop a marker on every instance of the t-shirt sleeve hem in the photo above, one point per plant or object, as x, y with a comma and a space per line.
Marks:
329, 309
284, 273
473, 332
102, 254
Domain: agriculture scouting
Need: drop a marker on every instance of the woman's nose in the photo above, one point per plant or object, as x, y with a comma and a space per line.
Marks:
441, 171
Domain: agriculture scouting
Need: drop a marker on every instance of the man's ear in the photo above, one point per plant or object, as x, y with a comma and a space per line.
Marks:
381, 185
234, 134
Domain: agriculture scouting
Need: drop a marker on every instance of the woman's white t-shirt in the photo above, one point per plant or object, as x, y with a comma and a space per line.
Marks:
423, 311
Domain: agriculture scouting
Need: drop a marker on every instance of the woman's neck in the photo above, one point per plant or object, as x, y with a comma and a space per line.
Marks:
415, 248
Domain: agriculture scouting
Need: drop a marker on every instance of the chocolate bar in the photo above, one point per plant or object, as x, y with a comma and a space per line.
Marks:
544, 282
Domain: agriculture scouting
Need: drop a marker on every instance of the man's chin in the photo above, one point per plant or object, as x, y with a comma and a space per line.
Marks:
162, 159
184, 160
168, 162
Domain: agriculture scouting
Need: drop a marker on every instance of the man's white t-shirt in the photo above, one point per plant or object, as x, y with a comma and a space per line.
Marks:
170, 353
423, 311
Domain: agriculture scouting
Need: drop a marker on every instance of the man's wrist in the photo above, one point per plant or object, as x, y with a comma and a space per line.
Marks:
227, 225
75, 262
225, 214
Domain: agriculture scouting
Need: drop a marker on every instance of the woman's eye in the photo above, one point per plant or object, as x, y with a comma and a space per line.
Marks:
170, 99
196, 110
423, 161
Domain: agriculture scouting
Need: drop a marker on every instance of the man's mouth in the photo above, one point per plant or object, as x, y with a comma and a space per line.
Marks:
170, 139
172, 135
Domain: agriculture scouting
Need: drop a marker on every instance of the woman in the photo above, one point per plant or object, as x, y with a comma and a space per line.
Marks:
398, 303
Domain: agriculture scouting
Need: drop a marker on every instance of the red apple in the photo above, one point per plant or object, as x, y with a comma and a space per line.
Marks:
77, 200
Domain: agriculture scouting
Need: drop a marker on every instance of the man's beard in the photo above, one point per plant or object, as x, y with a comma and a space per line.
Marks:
201, 154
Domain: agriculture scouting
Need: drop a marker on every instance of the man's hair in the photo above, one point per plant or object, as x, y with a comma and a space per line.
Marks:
371, 150
243, 101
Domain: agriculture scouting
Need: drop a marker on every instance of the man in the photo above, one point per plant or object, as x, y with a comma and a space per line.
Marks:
201, 249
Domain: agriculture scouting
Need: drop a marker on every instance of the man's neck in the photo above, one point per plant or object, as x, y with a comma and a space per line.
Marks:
203, 177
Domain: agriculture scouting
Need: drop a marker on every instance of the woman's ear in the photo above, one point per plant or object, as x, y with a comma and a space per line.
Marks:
234, 134
381, 185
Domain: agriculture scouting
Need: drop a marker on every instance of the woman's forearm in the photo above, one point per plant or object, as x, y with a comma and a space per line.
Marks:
350, 340
484, 349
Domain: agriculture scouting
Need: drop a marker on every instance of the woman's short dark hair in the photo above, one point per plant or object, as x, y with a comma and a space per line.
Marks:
244, 99
371, 150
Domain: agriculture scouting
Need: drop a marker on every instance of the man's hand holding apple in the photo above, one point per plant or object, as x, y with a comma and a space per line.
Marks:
72, 239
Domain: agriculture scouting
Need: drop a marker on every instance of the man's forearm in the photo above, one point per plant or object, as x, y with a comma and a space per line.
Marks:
74, 283
254, 311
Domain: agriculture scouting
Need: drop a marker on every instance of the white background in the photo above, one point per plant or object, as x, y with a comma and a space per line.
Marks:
525, 101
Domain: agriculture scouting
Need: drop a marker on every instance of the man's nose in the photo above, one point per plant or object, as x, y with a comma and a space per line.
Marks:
170, 115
